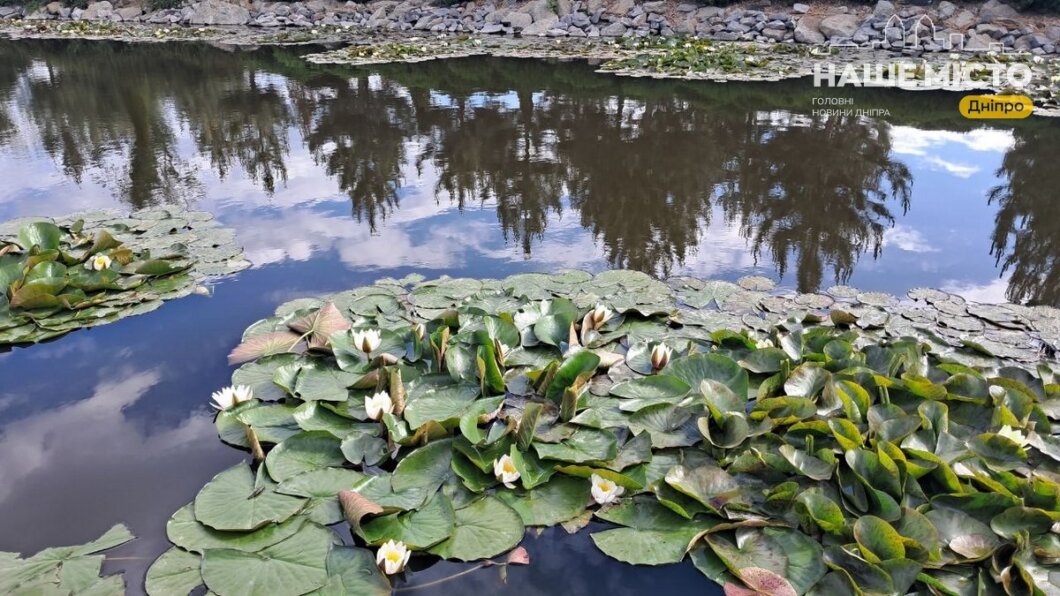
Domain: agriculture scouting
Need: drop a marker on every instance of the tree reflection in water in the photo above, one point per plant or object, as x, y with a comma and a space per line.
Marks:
1026, 239
645, 165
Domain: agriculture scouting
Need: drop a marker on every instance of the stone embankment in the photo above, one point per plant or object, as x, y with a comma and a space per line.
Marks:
921, 26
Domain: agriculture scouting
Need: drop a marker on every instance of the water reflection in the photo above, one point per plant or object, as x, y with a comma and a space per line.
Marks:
1026, 239
656, 174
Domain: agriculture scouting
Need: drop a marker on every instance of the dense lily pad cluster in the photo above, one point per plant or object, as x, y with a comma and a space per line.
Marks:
64, 569
824, 452
98, 267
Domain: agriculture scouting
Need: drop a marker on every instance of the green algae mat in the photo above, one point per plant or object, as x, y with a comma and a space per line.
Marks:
97, 267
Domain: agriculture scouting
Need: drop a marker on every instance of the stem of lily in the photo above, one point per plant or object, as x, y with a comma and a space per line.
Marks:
255, 444
443, 580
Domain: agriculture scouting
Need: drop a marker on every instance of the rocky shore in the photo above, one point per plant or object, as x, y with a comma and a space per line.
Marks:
923, 25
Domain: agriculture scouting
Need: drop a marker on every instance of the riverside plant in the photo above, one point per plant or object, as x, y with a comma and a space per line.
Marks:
823, 451
97, 267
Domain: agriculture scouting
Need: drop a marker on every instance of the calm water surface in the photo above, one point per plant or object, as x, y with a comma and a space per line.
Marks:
334, 177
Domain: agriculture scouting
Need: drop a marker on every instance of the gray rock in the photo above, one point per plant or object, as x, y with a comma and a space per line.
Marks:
620, 8
1030, 42
800, 8
615, 29
7, 11
978, 41
541, 27
216, 12
774, 34
961, 21
839, 25
53, 8
946, 9
1053, 33
540, 10
518, 20
563, 7
98, 11
658, 6
994, 10
808, 30
492, 28
883, 9
129, 13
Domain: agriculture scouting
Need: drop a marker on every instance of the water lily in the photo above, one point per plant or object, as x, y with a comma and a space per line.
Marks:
392, 557
1037, 59
504, 470
1014, 434
600, 315
997, 391
605, 491
955, 56
660, 356
378, 404
367, 340
420, 330
764, 343
98, 263
232, 395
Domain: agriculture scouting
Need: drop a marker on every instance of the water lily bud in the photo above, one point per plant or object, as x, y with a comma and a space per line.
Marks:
392, 557
997, 391
660, 356
420, 331
605, 491
378, 404
502, 350
504, 470
367, 340
600, 315
230, 396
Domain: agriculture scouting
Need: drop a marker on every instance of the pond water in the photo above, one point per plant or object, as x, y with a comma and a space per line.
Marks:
334, 177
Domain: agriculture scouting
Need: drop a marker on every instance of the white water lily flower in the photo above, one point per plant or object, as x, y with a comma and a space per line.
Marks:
764, 343
605, 491
504, 470
1037, 59
955, 56
392, 557
378, 404
230, 396
367, 340
98, 263
1014, 434
600, 315
660, 356
997, 391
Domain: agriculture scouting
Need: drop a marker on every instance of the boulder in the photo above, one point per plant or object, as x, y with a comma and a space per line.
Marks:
540, 10
620, 8
808, 30
541, 27
518, 20
800, 8
217, 12
883, 9
98, 11
129, 13
839, 25
563, 7
961, 20
978, 41
1053, 33
774, 34
994, 10
615, 29
53, 8
946, 9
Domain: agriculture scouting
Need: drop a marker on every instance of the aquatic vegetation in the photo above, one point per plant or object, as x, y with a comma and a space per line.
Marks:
808, 444
64, 569
98, 267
